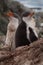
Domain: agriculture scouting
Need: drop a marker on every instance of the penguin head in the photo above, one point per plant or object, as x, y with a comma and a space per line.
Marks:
13, 18
11, 15
27, 15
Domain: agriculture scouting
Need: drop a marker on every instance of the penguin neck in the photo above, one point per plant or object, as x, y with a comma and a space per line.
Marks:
26, 18
30, 22
14, 21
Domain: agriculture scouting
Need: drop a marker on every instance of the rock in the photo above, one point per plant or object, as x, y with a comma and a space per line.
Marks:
24, 55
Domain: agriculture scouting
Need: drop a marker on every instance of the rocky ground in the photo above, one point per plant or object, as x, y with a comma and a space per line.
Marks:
25, 55
2, 40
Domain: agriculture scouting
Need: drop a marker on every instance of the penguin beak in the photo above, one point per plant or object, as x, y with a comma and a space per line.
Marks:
10, 14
